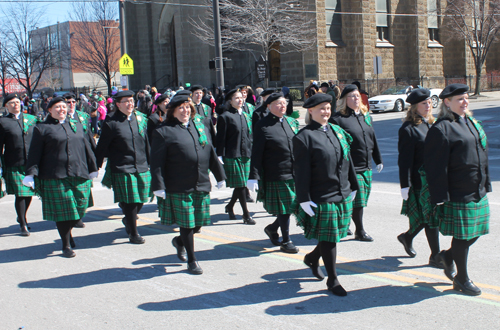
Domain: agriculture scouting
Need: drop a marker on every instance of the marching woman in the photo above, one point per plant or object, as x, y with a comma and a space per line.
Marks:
124, 141
354, 117
272, 165
411, 158
160, 114
456, 165
325, 182
234, 147
262, 111
16, 132
180, 164
63, 163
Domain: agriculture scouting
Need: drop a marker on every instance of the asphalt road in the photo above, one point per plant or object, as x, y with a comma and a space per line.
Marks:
247, 283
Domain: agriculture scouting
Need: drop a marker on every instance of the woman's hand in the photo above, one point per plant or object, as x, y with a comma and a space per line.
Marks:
306, 206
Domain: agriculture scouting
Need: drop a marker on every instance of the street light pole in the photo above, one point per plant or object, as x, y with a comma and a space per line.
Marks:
219, 66
123, 37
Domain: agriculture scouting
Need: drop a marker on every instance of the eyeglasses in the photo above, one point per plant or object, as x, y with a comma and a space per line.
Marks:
71, 102
128, 101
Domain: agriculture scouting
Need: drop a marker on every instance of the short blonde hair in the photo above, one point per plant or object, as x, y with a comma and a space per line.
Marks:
445, 112
412, 115
342, 106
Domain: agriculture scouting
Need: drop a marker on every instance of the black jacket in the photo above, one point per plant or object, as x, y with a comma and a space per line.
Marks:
127, 150
14, 140
455, 163
57, 152
80, 116
411, 153
258, 114
154, 122
179, 163
233, 138
272, 151
364, 145
322, 174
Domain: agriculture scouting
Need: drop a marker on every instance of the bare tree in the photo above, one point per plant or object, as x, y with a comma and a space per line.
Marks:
270, 25
3, 69
478, 23
28, 56
96, 42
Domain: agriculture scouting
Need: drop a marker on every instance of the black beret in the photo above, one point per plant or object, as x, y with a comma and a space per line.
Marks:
240, 87
196, 87
161, 98
229, 94
453, 89
418, 95
184, 92
267, 91
273, 97
347, 89
325, 84
119, 95
69, 95
9, 97
178, 100
54, 101
316, 99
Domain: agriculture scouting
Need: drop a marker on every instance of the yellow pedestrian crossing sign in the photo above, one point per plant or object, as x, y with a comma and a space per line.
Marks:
126, 65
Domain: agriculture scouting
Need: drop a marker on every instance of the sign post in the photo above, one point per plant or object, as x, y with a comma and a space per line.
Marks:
377, 68
126, 66
261, 68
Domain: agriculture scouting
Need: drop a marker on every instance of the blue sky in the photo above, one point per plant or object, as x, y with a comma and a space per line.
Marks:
55, 11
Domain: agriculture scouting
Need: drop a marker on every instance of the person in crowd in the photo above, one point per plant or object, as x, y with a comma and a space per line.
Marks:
33, 108
203, 109
325, 88
234, 146
272, 165
311, 90
364, 94
354, 118
180, 167
411, 158
16, 132
159, 116
289, 101
144, 102
258, 96
125, 143
248, 101
63, 164
110, 108
456, 168
325, 183
263, 110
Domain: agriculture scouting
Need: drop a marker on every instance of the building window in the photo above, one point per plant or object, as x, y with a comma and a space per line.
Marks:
433, 35
382, 20
432, 21
333, 20
382, 33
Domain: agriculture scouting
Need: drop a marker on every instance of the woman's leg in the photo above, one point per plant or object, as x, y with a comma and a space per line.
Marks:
187, 237
130, 212
357, 218
21, 205
460, 250
312, 261
329, 255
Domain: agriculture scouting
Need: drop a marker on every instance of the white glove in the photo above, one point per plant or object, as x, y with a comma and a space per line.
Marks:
353, 194
28, 181
440, 203
252, 185
220, 184
306, 206
1, 171
220, 160
380, 167
404, 193
160, 193
94, 175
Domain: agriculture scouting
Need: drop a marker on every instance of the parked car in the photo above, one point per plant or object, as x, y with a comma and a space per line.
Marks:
393, 99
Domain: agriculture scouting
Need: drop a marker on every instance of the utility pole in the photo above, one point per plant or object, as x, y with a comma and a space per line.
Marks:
219, 65
123, 37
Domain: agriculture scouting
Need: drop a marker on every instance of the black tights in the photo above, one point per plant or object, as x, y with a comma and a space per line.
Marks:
327, 251
241, 194
282, 221
187, 240
432, 235
459, 252
22, 204
130, 211
64, 229
357, 218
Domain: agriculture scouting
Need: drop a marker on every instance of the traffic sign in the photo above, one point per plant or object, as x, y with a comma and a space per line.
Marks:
126, 65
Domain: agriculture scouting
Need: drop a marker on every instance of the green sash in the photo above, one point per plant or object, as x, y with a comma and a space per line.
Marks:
344, 138
480, 130
249, 121
28, 121
294, 124
142, 122
200, 127
84, 119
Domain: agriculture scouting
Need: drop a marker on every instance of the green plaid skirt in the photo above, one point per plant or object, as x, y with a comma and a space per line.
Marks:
187, 210
277, 196
129, 187
464, 220
329, 223
64, 199
412, 208
2, 193
365, 186
237, 171
13, 177
428, 209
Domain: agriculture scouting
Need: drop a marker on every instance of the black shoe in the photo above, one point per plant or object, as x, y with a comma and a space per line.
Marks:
316, 270
248, 220
197, 230
68, 253
72, 242
435, 262
468, 287
349, 232
408, 247
24, 231
338, 290
288, 247
273, 236
127, 229
181, 251
250, 199
194, 268
80, 224
363, 237
230, 213
449, 269
136, 239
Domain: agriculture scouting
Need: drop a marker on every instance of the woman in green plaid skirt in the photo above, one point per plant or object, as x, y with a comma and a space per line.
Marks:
16, 131
411, 158
354, 117
63, 163
456, 167
326, 181
234, 149
180, 164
